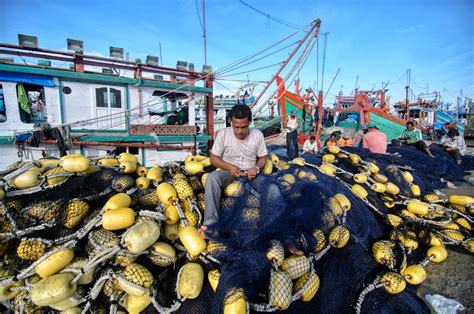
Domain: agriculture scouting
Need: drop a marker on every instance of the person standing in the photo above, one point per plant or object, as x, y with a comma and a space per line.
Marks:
292, 123
374, 140
239, 151
330, 118
316, 117
412, 136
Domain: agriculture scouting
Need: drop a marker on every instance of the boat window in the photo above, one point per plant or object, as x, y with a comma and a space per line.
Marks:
31, 103
3, 110
108, 97
101, 97
115, 99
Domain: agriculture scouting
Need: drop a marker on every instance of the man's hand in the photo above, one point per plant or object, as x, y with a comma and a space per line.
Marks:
251, 173
234, 170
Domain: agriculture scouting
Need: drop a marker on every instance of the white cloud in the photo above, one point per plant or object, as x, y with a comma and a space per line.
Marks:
409, 29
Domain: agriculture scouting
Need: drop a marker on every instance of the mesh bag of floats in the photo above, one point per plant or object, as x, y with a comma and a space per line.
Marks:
80, 235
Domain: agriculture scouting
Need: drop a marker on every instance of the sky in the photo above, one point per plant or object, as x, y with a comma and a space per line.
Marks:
374, 40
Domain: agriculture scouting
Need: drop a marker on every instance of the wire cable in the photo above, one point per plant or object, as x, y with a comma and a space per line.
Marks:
268, 16
254, 54
199, 16
233, 92
253, 70
265, 56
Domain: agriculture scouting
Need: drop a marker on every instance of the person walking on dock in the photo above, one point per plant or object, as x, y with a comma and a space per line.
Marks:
292, 123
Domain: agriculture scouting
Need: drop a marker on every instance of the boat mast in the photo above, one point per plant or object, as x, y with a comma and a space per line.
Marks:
407, 100
204, 29
314, 28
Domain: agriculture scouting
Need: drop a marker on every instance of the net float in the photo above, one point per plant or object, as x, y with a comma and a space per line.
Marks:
190, 280
118, 218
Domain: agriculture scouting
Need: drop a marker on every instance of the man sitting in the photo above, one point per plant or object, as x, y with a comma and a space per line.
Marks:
374, 140
412, 136
333, 138
454, 144
310, 146
345, 141
239, 151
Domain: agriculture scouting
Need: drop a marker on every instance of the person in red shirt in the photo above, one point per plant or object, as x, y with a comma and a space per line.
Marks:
374, 140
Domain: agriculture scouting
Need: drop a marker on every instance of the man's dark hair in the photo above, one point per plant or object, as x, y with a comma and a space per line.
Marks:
241, 112
410, 123
453, 132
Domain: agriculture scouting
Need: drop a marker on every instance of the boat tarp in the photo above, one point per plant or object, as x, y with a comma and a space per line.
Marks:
390, 128
35, 79
442, 117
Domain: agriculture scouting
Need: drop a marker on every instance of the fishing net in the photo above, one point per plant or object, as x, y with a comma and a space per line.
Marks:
357, 234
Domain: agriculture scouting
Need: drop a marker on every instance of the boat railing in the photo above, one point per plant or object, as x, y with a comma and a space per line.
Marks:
161, 129
78, 61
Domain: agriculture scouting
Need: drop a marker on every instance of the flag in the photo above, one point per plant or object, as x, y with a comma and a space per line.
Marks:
22, 98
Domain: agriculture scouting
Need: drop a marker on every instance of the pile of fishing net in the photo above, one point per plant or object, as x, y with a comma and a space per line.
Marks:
80, 235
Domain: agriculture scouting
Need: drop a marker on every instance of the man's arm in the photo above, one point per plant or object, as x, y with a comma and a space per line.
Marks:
252, 172
364, 142
218, 162
404, 136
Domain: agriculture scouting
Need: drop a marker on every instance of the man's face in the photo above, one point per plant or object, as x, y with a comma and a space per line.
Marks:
410, 127
240, 127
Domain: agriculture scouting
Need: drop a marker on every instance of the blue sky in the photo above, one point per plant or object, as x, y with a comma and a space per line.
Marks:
377, 40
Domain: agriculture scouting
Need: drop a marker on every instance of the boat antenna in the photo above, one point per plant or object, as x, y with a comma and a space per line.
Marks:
204, 29
203, 24
161, 56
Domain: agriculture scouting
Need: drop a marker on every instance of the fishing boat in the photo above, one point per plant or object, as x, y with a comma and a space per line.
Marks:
96, 105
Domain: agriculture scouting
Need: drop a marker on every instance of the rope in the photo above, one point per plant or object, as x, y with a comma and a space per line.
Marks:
93, 263
21, 233
29, 164
403, 264
29, 271
174, 307
195, 208
31, 190
371, 287
469, 219
298, 293
425, 261
99, 283
152, 214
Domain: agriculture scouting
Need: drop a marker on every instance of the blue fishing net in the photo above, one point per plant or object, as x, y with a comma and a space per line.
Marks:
294, 212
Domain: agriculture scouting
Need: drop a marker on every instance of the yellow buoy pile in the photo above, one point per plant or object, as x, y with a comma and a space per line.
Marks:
67, 251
